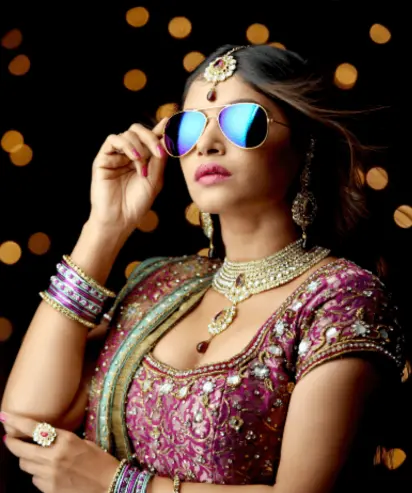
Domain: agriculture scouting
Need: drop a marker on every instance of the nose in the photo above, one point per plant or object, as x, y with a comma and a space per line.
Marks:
211, 142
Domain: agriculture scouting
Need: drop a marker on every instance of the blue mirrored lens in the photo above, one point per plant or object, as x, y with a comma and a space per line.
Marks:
183, 131
244, 124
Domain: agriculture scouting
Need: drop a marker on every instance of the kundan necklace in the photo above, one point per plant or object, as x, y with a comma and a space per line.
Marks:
238, 281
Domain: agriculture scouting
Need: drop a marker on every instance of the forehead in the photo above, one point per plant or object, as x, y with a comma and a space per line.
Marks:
227, 91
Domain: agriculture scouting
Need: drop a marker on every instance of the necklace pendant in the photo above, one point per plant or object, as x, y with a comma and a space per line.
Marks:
202, 347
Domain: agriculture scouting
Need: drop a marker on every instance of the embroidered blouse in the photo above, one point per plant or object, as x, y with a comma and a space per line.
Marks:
223, 422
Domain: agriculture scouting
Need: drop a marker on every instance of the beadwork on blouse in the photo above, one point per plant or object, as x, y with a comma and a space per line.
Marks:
223, 423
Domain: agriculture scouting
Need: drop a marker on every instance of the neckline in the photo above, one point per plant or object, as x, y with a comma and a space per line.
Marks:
253, 344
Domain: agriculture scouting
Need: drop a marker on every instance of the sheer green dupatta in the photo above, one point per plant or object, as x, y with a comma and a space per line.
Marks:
164, 290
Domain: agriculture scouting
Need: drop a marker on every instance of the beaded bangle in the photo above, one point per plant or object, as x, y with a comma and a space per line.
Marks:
91, 281
76, 295
116, 476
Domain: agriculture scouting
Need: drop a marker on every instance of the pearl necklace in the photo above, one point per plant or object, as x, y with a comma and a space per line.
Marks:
238, 281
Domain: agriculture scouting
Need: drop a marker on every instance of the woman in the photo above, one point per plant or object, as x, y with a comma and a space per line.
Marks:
227, 370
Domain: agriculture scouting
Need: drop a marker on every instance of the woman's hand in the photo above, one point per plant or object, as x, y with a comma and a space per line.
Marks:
69, 465
127, 177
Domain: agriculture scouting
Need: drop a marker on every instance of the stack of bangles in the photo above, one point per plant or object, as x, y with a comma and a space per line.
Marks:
130, 479
75, 294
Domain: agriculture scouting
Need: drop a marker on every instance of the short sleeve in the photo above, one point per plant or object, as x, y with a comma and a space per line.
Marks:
352, 315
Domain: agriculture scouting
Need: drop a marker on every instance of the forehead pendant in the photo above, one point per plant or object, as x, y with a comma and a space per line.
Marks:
220, 69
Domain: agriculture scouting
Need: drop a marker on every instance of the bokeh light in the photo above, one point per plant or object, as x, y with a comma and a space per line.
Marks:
180, 27
407, 370
149, 222
12, 141
39, 243
130, 268
377, 178
10, 252
137, 16
257, 34
192, 60
403, 216
6, 329
166, 110
20, 65
394, 458
135, 80
12, 39
277, 44
346, 76
192, 214
22, 156
204, 252
379, 34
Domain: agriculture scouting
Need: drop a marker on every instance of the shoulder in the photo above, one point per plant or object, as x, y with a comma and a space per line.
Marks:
349, 311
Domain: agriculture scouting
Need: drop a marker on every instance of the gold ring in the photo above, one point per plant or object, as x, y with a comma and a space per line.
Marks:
44, 434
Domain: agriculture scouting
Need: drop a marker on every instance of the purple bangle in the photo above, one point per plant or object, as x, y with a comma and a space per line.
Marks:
75, 297
67, 303
77, 289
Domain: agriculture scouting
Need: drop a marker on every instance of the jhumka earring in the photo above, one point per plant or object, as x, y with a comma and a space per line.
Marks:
207, 226
219, 70
304, 206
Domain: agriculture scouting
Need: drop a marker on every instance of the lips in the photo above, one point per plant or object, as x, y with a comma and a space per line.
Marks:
211, 170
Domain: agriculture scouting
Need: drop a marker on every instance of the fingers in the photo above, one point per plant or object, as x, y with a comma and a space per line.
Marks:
149, 139
119, 144
24, 450
24, 426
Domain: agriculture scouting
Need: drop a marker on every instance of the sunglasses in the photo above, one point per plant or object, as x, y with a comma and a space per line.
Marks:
246, 125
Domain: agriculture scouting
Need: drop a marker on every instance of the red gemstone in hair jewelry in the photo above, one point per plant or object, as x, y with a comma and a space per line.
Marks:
44, 434
211, 95
220, 63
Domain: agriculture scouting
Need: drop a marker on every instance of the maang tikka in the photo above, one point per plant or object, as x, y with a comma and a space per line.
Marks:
304, 206
219, 70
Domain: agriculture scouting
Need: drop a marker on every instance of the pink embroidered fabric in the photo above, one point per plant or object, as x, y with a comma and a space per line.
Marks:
223, 423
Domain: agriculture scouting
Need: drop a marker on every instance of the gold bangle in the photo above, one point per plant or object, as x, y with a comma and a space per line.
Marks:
176, 484
91, 281
65, 311
116, 476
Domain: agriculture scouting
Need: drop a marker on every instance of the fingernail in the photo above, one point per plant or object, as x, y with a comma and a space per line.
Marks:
161, 151
136, 154
144, 171
2, 417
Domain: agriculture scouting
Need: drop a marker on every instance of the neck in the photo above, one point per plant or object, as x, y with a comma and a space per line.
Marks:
256, 236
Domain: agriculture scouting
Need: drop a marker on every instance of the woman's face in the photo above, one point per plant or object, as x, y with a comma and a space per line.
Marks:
258, 177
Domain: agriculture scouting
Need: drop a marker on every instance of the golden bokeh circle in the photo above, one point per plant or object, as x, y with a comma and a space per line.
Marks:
277, 44
192, 214
377, 178
10, 252
204, 252
135, 80
130, 268
6, 329
137, 16
192, 60
22, 156
403, 216
12, 39
12, 141
346, 76
379, 34
166, 110
394, 458
149, 222
39, 243
257, 33
20, 65
180, 27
